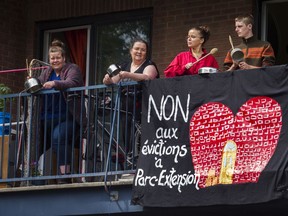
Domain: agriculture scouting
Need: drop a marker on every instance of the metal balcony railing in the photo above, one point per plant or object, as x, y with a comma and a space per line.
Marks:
103, 145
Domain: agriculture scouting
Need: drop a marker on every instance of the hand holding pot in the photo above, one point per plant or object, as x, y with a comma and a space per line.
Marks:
107, 80
243, 65
124, 74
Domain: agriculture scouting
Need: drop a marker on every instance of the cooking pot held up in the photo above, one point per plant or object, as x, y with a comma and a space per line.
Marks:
113, 70
33, 85
237, 55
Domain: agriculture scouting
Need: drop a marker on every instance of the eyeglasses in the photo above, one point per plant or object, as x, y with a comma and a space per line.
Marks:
192, 37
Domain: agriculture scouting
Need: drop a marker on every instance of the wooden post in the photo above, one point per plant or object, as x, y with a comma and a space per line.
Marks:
4, 157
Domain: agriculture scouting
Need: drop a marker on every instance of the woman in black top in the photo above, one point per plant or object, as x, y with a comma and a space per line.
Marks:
140, 68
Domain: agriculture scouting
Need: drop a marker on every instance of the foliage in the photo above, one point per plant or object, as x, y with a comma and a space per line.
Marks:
115, 40
3, 90
34, 169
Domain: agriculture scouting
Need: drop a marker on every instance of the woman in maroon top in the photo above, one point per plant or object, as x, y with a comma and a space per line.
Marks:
182, 64
58, 125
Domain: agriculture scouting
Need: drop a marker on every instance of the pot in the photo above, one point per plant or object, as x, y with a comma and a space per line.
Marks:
113, 70
33, 85
237, 55
207, 70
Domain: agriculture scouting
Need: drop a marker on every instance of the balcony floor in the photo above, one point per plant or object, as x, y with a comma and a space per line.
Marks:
93, 199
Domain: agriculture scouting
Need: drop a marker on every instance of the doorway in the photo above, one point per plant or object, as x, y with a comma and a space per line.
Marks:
274, 28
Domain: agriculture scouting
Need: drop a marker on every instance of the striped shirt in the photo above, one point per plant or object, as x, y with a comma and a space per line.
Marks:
256, 52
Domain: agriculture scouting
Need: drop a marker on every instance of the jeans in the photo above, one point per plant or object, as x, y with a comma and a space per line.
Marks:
59, 134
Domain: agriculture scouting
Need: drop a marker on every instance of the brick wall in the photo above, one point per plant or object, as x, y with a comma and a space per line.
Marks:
12, 42
171, 21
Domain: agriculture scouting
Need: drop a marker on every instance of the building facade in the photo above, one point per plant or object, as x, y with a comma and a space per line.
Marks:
25, 23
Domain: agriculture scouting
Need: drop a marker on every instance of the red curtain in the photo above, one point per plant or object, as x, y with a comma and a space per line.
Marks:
77, 42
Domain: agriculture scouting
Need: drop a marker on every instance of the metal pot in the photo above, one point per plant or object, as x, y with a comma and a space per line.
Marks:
237, 55
207, 70
113, 70
33, 85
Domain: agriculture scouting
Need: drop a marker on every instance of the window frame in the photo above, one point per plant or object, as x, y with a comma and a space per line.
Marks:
92, 23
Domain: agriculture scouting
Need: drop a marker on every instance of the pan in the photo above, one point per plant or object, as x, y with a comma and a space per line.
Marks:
207, 70
113, 70
33, 85
236, 53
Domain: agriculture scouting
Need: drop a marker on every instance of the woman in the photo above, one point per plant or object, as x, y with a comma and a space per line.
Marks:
183, 63
59, 126
139, 68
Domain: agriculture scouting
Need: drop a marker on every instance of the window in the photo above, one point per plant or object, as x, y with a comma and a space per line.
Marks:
96, 42
273, 28
77, 47
114, 43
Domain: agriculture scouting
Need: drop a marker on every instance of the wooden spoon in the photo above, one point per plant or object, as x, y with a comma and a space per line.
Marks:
231, 42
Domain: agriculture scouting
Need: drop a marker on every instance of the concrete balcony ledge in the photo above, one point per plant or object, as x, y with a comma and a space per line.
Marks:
67, 186
69, 199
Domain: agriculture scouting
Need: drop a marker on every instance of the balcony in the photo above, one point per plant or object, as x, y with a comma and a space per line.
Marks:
98, 155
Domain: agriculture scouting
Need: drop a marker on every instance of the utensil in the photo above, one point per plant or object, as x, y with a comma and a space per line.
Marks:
113, 70
212, 52
34, 69
33, 85
231, 42
236, 53
207, 70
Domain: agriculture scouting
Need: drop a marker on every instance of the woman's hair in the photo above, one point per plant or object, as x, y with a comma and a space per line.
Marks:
204, 32
245, 18
57, 46
141, 41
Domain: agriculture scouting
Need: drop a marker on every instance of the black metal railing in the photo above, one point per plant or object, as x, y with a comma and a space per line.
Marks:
102, 143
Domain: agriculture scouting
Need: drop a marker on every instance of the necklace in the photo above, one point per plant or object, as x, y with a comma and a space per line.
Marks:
135, 67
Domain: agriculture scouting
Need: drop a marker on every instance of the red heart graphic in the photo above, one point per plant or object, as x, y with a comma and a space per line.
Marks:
228, 150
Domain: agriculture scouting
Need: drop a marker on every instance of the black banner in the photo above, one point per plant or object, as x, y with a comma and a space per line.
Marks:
214, 139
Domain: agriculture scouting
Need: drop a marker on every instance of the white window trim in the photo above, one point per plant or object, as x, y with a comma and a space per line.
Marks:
46, 44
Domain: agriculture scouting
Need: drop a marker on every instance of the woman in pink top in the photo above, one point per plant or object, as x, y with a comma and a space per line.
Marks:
182, 64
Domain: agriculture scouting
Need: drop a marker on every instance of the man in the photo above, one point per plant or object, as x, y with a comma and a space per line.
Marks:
257, 53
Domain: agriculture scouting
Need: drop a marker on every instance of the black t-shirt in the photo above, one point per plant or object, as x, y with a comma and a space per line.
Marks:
131, 91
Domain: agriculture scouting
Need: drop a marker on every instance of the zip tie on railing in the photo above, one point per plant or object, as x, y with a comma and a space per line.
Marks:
21, 70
